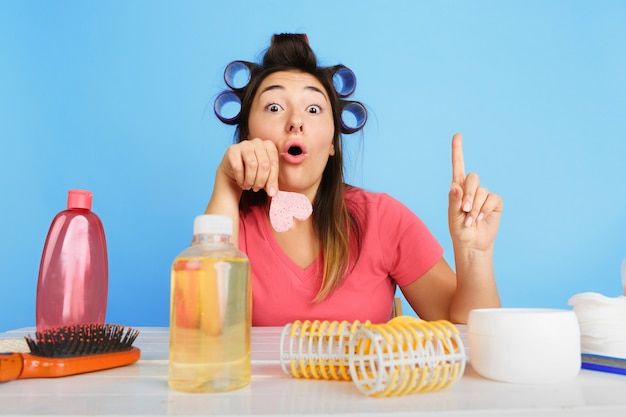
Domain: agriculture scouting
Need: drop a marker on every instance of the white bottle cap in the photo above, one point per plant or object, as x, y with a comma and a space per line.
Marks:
213, 224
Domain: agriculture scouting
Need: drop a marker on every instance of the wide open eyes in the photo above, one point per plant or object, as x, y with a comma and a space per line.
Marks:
237, 75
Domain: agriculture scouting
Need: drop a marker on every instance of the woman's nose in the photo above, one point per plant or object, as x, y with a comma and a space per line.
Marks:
295, 125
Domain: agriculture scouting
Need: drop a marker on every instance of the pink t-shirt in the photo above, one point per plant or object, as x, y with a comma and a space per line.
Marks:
397, 248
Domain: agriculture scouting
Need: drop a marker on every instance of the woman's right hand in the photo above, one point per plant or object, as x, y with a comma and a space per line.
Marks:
247, 165
252, 165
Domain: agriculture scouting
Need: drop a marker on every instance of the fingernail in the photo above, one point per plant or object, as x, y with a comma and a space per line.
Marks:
272, 191
467, 206
468, 221
480, 217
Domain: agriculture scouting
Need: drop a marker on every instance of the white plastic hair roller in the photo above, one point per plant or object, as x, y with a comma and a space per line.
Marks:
404, 356
317, 349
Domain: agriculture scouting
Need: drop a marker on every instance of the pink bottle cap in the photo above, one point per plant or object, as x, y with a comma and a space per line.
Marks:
79, 199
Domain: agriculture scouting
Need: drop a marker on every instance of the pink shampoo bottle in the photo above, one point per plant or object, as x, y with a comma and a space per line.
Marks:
72, 285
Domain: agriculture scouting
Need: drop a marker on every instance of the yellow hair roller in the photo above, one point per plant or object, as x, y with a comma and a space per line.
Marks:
317, 349
403, 356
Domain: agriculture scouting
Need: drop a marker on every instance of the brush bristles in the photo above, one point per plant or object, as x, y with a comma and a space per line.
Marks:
81, 340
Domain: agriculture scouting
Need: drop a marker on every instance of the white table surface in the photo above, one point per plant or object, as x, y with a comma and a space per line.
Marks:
141, 389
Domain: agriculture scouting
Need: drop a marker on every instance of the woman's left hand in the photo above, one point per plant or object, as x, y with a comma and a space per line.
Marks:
473, 213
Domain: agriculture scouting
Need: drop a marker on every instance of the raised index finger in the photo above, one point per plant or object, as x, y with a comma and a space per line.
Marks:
458, 164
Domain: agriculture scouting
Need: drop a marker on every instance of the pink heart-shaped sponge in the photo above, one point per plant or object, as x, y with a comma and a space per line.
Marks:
286, 206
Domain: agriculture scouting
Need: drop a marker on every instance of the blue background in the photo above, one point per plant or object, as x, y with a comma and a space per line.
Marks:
116, 97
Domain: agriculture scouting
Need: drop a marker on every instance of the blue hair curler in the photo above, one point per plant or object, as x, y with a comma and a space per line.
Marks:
237, 74
344, 81
353, 117
227, 107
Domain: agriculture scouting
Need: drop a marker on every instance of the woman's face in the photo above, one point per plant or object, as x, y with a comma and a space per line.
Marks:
292, 109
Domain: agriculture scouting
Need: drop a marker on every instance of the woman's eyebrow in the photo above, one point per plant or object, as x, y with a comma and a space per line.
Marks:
272, 87
280, 87
315, 89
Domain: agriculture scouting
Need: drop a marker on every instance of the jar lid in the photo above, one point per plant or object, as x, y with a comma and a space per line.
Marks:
521, 322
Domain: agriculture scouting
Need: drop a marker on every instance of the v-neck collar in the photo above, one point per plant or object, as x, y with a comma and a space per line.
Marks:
304, 274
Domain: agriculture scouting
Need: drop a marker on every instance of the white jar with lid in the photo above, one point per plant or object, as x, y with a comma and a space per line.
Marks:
524, 345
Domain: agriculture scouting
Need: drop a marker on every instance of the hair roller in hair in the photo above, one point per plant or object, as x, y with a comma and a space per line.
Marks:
227, 107
404, 356
237, 74
353, 117
344, 81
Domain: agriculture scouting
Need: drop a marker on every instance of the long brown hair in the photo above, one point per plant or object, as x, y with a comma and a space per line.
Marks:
334, 224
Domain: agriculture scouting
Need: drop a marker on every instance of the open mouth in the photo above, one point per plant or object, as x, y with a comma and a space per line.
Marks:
295, 150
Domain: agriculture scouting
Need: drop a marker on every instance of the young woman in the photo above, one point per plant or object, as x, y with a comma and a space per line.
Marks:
345, 260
